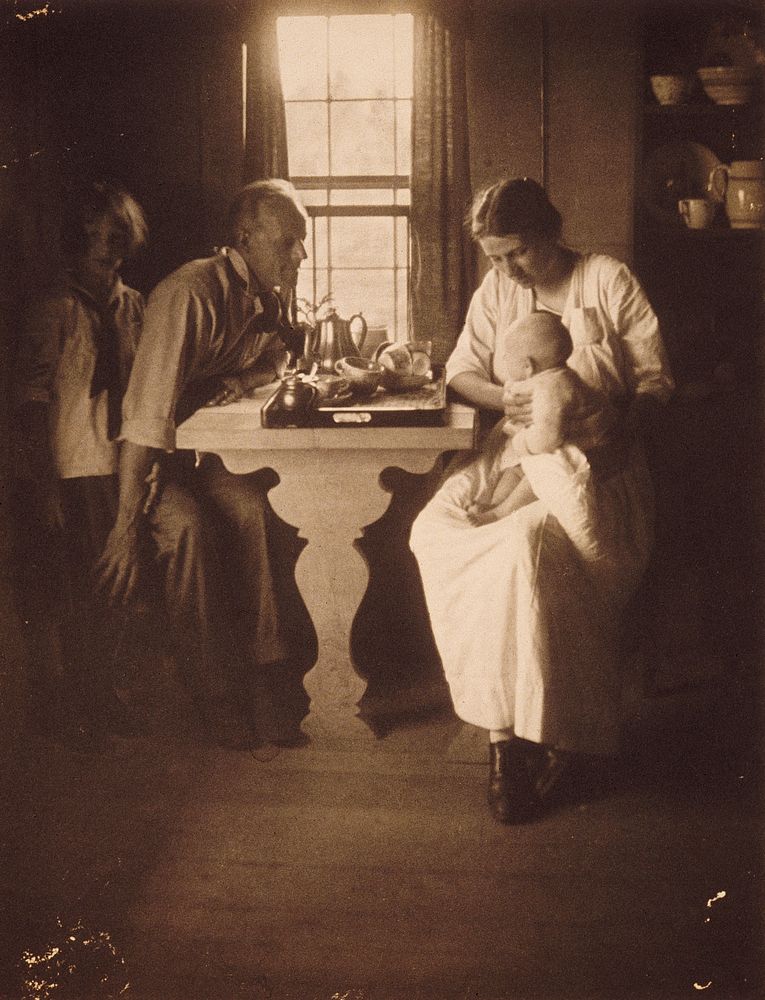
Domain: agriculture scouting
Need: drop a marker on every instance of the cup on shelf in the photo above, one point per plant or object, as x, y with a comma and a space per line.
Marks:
697, 213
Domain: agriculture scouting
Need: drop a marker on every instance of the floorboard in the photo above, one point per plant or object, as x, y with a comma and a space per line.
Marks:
310, 874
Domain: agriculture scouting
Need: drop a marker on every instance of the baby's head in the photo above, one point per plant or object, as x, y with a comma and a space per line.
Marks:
535, 343
102, 226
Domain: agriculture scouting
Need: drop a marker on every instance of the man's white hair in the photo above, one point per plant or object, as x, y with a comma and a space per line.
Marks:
246, 203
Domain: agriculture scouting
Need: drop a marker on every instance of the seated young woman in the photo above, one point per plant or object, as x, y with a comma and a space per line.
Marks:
526, 624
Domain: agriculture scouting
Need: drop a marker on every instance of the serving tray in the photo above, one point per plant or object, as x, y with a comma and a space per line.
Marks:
422, 407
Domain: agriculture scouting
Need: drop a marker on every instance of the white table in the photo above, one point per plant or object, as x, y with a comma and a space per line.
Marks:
329, 489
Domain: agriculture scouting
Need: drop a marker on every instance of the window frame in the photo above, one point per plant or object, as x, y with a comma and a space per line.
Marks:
359, 182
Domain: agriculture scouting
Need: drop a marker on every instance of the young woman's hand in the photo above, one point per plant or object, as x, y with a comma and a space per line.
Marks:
517, 404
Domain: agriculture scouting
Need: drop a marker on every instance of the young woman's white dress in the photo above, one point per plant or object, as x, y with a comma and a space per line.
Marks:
526, 625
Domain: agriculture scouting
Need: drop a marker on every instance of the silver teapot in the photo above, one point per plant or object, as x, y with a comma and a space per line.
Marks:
334, 338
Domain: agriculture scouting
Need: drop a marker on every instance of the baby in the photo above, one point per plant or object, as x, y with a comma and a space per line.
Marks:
565, 413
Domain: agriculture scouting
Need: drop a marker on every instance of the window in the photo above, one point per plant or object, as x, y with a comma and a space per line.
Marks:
347, 84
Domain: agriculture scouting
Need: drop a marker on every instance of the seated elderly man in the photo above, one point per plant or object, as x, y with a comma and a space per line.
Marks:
211, 333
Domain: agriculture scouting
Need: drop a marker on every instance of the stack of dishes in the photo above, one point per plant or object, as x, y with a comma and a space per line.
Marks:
728, 84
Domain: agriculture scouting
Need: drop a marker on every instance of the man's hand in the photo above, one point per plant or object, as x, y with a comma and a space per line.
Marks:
115, 574
152, 481
235, 387
231, 389
517, 404
116, 571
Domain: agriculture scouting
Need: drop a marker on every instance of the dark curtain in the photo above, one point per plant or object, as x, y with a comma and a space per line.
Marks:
442, 256
265, 149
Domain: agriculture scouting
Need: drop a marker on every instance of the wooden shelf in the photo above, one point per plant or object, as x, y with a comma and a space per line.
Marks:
713, 233
676, 230
702, 109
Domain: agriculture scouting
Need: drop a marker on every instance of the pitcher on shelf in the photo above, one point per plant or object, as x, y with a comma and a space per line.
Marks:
741, 186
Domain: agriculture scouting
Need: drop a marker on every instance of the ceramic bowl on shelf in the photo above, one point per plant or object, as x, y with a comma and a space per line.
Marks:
671, 88
727, 84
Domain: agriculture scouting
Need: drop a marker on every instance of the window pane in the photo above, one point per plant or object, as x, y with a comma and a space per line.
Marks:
303, 57
403, 137
316, 249
404, 57
304, 293
402, 242
361, 196
321, 245
369, 61
310, 294
362, 138
368, 292
313, 196
307, 139
361, 56
402, 305
308, 244
362, 242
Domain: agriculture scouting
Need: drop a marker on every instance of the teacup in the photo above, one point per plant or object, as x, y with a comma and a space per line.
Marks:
697, 213
362, 374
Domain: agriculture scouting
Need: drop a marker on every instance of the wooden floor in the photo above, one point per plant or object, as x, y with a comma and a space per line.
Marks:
315, 874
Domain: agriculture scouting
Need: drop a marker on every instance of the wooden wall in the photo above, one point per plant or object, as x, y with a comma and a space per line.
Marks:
13, 663
147, 93
552, 95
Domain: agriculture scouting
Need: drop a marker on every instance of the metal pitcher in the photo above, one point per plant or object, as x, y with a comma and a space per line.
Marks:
334, 338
